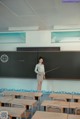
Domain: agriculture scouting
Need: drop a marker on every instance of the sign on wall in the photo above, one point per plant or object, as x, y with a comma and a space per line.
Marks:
65, 36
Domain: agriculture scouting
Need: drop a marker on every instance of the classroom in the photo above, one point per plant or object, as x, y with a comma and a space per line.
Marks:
40, 59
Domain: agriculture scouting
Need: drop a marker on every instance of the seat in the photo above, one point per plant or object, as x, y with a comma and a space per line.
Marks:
78, 100
60, 99
18, 105
11, 96
54, 109
29, 96
77, 111
26, 115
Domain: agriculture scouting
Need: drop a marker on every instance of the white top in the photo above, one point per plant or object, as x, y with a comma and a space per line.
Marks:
39, 68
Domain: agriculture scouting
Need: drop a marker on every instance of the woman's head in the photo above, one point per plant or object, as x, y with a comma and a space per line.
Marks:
41, 60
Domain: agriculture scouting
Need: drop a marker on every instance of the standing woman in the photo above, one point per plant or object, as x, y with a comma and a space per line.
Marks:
40, 70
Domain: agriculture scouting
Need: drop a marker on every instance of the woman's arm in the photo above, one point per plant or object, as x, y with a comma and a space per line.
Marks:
44, 70
44, 73
36, 69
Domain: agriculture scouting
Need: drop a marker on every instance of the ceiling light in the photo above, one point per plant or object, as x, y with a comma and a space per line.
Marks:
67, 27
32, 28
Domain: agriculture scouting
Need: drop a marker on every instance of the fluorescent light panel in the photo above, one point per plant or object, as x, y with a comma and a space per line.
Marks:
66, 27
32, 28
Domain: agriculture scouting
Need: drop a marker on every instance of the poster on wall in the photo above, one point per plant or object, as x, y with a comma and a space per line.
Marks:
65, 36
12, 37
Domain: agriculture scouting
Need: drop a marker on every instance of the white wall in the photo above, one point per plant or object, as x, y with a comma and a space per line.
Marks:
40, 38
35, 39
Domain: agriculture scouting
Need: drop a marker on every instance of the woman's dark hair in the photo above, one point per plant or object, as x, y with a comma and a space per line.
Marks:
41, 58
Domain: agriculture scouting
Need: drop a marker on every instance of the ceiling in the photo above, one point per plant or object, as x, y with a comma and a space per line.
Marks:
43, 13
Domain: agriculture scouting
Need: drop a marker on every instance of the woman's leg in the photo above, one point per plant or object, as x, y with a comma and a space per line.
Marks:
40, 79
39, 85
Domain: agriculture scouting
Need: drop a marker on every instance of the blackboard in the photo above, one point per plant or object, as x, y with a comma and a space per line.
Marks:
58, 65
19, 64
62, 65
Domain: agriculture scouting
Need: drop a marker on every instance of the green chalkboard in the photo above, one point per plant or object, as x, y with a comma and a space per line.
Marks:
62, 65
58, 65
19, 64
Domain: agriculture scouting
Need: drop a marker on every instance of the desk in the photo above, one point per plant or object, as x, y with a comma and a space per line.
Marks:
13, 112
23, 102
26, 103
4, 100
72, 116
49, 115
73, 105
61, 104
76, 98
61, 96
37, 95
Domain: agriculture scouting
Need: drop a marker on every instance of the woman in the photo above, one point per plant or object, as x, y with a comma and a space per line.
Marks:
40, 70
